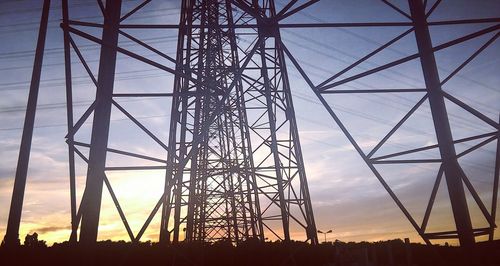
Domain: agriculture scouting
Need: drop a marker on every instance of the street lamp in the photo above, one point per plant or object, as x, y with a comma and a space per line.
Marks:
325, 233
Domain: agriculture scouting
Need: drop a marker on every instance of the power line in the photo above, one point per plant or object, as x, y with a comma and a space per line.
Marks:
306, 14
54, 24
343, 108
130, 77
52, 7
85, 47
86, 123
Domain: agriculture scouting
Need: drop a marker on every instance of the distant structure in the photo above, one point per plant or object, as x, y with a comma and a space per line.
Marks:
219, 101
234, 169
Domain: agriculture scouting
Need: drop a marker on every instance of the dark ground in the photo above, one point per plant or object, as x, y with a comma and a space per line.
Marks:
252, 253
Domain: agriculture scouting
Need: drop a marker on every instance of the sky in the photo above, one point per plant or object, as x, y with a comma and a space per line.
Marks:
345, 195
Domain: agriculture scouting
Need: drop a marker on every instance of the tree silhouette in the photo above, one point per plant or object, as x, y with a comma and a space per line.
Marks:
32, 241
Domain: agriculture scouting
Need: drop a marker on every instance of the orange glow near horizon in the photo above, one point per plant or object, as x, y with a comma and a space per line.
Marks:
55, 227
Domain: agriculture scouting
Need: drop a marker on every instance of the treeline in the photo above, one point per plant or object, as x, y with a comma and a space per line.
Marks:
384, 253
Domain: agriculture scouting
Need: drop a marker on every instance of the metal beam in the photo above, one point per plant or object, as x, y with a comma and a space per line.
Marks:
496, 178
274, 145
100, 127
452, 170
70, 123
16, 205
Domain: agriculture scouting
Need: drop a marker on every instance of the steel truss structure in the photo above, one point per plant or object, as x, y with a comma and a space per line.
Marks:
227, 190
234, 168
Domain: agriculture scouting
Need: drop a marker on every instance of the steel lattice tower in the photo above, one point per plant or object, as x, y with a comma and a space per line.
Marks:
233, 168
216, 188
229, 192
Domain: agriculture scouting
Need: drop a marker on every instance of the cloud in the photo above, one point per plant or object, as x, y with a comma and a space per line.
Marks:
49, 229
345, 194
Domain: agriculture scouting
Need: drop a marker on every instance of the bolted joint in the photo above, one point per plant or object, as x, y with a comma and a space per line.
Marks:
267, 27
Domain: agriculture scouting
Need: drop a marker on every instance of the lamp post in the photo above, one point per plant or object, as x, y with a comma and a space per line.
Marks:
325, 233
